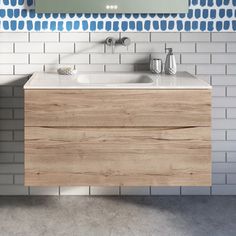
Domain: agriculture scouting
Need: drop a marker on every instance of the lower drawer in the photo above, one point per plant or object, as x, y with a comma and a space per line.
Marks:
117, 156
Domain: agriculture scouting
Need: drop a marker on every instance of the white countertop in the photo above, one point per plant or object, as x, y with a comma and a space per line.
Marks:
182, 80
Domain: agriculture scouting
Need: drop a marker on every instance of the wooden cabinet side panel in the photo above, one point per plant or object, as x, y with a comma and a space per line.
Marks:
117, 108
117, 156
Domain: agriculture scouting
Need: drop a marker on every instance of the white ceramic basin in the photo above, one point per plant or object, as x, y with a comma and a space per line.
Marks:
115, 79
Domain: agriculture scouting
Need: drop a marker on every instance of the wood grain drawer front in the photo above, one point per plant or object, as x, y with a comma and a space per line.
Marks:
117, 108
117, 156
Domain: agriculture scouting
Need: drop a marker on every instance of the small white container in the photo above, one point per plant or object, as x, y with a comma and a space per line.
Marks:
170, 63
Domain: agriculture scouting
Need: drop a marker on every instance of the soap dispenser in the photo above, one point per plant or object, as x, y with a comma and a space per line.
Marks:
170, 63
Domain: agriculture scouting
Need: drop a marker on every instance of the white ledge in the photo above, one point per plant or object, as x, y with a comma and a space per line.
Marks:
182, 80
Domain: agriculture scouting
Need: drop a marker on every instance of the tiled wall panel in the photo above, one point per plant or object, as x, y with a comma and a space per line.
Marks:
203, 15
30, 52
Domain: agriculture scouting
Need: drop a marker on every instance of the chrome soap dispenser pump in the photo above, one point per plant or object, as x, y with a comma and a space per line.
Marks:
170, 63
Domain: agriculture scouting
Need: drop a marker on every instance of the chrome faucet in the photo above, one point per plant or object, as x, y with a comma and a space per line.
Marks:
125, 41
110, 41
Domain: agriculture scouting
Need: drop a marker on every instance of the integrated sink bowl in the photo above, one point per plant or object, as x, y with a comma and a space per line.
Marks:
118, 79
115, 80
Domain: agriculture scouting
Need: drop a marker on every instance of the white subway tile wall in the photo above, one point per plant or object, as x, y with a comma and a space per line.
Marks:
104, 190
84, 190
44, 191
210, 56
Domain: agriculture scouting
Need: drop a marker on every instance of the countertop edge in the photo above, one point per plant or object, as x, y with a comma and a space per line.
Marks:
205, 85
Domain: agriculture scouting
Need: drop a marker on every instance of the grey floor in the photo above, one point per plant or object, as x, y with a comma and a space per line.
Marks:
85, 216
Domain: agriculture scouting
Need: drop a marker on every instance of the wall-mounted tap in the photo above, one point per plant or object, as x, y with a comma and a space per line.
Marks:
125, 41
110, 41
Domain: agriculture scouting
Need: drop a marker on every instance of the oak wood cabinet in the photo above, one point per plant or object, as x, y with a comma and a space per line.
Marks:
118, 137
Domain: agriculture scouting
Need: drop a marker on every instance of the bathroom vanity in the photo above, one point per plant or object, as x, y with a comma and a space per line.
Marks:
117, 129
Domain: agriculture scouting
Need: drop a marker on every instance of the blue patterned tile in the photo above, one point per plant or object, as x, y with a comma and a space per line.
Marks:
147, 25
203, 15
124, 25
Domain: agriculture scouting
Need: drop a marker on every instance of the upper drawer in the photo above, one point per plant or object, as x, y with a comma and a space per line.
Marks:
117, 108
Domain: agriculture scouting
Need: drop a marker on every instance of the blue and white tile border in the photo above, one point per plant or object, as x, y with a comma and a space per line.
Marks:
204, 15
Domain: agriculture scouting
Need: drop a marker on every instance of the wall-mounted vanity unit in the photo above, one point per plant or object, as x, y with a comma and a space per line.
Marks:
111, 6
127, 129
